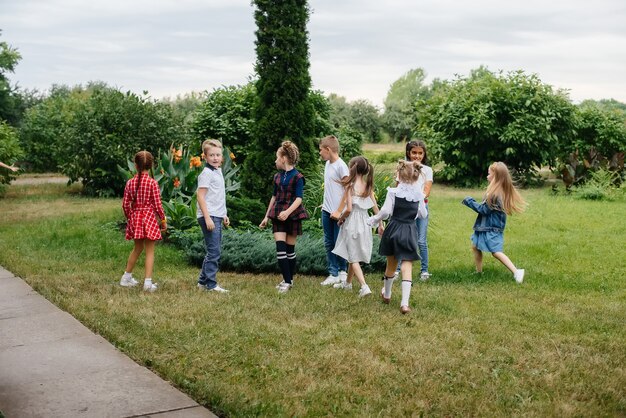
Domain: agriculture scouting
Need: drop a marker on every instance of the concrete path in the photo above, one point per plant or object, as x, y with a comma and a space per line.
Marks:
53, 366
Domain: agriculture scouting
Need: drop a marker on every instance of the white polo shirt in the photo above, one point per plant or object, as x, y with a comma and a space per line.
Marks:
212, 179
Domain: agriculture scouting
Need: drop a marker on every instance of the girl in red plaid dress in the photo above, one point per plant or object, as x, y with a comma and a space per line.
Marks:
142, 205
286, 211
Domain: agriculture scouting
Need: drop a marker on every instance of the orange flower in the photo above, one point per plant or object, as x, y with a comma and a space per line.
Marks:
232, 156
195, 162
176, 182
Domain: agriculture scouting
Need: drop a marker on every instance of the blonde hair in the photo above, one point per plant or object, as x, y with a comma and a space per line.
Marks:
502, 188
331, 142
290, 150
408, 171
210, 143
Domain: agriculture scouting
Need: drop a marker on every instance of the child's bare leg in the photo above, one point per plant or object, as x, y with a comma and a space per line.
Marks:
358, 272
134, 255
406, 268
149, 257
390, 269
350, 274
392, 263
501, 257
478, 259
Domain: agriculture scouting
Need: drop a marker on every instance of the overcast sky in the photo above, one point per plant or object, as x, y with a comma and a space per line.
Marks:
357, 47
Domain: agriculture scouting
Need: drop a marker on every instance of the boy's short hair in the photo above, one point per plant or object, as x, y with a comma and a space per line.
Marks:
331, 142
210, 143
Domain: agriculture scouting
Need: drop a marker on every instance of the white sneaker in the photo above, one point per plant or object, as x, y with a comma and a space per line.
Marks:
218, 289
424, 276
343, 285
284, 287
149, 287
330, 280
519, 275
282, 283
364, 291
128, 282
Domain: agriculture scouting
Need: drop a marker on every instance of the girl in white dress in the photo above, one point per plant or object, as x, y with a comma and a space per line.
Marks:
354, 242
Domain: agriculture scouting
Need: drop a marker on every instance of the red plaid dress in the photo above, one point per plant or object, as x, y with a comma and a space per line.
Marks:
141, 210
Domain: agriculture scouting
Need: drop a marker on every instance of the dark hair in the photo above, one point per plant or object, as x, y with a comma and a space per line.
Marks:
360, 166
290, 150
416, 143
143, 162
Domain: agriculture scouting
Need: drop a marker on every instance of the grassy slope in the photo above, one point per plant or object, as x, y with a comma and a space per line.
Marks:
473, 345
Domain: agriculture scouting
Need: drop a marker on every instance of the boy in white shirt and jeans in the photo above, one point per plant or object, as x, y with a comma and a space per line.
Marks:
211, 213
334, 171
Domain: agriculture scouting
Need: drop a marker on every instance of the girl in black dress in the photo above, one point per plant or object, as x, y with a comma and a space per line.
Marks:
399, 242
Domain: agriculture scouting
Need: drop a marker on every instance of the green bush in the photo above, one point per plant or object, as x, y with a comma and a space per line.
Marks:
386, 157
255, 252
226, 114
599, 143
45, 125
244, 211
107, 128
603, 185
10, 151
486, 117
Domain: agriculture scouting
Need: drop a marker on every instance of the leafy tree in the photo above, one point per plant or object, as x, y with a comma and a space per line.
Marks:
10, 152
364, 118
226, 114
108, 128
186, 105
400, 115
339, 111
9, 103
46, 124
488, 117
599, 143
283, 108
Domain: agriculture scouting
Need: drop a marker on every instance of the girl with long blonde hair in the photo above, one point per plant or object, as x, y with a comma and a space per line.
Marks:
501, 199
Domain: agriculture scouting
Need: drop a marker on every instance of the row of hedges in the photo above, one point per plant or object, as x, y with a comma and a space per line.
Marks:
255, 251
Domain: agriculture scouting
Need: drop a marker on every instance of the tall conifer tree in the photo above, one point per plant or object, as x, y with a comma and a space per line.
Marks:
283, 108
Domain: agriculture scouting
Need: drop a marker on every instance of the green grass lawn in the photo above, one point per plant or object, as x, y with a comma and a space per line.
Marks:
472, 346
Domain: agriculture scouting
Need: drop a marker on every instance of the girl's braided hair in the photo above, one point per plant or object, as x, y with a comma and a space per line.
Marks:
290, 150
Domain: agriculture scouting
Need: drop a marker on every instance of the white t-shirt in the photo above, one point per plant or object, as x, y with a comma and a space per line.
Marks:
215, 198
333, 191
426, 176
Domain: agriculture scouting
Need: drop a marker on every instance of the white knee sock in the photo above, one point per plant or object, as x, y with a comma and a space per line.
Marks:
388, 282
406, 292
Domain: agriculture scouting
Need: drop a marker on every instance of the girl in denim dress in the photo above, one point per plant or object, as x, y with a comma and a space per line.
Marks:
501, 199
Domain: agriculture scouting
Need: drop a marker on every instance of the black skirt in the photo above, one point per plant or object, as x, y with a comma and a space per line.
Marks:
400, 240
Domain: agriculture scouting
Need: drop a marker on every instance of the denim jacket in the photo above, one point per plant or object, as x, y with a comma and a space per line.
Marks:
488, 219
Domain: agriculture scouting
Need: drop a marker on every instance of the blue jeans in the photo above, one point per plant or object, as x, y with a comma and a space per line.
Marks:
331, 232
422, 242
213, 243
